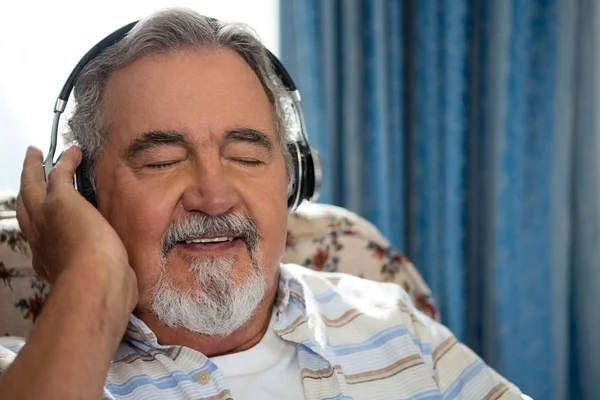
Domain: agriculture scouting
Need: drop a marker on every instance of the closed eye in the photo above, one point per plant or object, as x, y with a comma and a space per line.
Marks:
248, 161
161, 165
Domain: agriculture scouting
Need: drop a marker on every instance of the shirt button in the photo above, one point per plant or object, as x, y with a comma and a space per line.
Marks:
203, 377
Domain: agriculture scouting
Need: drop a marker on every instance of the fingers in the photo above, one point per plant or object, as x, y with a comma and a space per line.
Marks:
33, 182
41, 205
23, 216
62, 173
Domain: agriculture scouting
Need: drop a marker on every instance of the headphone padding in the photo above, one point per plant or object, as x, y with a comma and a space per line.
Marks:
84, 185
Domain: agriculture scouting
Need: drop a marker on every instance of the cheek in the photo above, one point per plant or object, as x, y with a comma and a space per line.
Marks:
273, 231
270, 206
141, 217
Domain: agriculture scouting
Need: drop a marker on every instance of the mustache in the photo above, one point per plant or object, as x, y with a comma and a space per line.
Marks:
199, 224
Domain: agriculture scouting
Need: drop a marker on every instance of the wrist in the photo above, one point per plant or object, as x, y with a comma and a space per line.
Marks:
69, 350
101, 287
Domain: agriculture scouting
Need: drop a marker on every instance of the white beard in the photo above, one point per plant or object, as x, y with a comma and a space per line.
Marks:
216, 305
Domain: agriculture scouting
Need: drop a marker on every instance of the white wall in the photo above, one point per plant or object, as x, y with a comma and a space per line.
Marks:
42, 40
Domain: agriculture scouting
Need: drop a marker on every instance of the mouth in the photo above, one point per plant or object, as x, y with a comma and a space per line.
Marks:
210, 240
210, 244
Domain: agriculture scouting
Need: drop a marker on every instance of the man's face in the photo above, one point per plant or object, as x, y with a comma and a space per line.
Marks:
192, 135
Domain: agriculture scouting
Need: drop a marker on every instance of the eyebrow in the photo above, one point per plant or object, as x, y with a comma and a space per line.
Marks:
153, 139
251, 136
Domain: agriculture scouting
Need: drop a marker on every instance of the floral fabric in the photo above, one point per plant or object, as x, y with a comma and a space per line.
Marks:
320, 237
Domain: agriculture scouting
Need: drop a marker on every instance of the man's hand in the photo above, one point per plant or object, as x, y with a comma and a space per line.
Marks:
63, 229
94, 289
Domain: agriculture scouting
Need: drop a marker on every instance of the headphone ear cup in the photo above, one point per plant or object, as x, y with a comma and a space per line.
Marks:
83, 183
307, 174
294, 151
308, 180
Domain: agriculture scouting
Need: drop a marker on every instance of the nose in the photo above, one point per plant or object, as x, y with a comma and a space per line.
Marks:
209, 191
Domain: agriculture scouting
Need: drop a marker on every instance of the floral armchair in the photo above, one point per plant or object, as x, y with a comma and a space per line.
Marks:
320, 237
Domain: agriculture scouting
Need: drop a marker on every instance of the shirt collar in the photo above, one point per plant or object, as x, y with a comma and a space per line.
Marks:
299, 315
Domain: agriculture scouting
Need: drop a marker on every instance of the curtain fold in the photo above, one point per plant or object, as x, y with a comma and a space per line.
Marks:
466, 130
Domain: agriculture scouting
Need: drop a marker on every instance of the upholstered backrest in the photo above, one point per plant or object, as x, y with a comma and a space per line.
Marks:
320, 237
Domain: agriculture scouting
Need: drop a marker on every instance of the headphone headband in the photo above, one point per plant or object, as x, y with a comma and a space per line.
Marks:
306, 159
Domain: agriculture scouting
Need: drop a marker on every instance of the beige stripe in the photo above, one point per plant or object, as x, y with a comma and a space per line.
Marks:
343, 319
172, 353
403, 307
131, 358
143, 335
292, 327
298, 298
176, 353
413, 317
334, 279
387, 372
498, 390
442, 349
318, 374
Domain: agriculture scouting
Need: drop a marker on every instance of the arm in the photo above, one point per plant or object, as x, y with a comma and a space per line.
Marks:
457, 370
69, 350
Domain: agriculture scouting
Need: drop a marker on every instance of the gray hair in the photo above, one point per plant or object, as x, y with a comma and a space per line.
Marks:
163, 32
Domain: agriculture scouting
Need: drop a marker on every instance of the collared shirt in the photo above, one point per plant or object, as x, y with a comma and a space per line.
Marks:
356, 339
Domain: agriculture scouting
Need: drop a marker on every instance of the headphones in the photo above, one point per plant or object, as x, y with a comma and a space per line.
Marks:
307, 174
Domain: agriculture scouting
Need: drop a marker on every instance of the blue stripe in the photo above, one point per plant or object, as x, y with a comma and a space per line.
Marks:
137, 339
162, 383
309, 358
465, 377
327, 296
14, 349
380, 339
371, 343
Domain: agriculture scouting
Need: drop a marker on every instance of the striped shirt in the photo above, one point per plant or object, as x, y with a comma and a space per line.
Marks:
356, 339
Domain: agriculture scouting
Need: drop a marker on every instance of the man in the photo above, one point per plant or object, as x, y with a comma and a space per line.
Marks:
172, 287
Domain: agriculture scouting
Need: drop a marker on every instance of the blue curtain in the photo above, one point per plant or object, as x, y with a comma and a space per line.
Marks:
466, 131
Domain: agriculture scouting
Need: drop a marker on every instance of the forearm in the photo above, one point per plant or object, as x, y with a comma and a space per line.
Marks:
70, 348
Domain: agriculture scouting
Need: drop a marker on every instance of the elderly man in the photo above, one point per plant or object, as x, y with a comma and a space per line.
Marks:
172, 287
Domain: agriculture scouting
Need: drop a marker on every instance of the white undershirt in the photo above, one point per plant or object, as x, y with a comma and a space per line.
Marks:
269, 370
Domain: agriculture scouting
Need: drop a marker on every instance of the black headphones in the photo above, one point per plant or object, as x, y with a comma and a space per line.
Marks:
307, 174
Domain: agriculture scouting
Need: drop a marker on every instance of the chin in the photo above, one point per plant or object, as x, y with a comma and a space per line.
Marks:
212, 295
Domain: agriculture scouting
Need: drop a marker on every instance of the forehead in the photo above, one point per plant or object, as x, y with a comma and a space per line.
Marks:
202, 91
